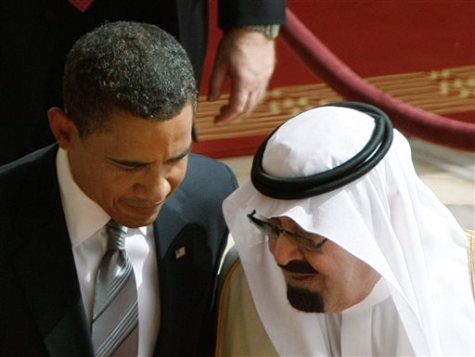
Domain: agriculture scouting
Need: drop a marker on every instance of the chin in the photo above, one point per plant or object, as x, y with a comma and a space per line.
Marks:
136, 221
305, 300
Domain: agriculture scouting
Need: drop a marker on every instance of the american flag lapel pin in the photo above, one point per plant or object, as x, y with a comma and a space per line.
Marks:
180, 252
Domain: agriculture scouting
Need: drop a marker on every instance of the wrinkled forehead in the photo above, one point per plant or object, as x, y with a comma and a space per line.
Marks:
316, 141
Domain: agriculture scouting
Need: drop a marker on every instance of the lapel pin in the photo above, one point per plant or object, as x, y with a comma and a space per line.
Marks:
180, 252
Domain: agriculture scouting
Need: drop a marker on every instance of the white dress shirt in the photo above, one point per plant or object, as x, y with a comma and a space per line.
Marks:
86, 222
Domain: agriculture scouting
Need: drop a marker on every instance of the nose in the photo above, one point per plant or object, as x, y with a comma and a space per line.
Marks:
154, 188
284, 250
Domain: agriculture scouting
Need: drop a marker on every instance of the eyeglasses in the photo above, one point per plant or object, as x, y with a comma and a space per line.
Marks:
273, 232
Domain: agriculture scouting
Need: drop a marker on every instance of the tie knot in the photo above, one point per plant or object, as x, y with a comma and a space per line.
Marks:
116, 233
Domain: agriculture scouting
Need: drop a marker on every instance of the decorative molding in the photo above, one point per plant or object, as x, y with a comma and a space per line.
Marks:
442, 91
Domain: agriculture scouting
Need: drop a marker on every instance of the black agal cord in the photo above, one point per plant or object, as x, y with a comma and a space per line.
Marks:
288, 188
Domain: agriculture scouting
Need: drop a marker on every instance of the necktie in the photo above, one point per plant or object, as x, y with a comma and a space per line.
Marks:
81, 5
115, 313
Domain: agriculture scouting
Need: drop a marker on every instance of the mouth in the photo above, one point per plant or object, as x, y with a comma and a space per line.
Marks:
144, 207
300, 277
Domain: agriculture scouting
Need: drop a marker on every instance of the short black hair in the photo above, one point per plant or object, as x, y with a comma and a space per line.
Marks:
126, 66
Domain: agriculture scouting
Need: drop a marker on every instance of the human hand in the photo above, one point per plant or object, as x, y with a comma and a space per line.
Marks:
247, 58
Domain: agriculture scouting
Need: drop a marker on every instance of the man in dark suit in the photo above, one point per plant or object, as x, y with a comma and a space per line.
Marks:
122, 154
36, 36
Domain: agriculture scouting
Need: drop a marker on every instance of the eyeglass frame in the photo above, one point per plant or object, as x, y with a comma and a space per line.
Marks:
273, 232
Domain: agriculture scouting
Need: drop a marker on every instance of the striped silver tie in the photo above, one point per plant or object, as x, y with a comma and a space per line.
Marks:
115, 314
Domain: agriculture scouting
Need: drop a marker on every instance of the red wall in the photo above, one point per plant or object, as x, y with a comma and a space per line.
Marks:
377, 37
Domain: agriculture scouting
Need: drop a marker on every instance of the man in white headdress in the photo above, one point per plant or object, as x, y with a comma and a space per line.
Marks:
345, 251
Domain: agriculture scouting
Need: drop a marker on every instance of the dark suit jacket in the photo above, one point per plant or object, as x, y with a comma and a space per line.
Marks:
37, 35
41, 310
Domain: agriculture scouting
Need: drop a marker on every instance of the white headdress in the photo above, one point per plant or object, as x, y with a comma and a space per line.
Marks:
387, 218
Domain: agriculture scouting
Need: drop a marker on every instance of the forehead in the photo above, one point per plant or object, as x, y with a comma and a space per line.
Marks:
129, 135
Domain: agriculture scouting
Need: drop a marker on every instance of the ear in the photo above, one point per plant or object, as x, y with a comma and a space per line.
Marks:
63, 128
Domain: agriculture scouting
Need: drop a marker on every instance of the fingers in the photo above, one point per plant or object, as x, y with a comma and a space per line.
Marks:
241, 104
235, 110
217, 80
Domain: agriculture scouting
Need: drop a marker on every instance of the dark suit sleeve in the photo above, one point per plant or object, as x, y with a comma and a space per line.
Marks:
41, 311
236, 13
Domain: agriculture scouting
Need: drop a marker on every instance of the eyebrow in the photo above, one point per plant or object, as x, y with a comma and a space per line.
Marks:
296, 229
136, 164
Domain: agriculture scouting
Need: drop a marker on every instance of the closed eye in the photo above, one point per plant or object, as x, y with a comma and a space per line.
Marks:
311, 244
130, 165
179, 157
130, 168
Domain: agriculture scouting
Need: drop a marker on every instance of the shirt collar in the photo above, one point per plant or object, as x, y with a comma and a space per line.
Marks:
84, 217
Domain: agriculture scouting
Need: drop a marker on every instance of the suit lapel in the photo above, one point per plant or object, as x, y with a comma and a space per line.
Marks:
185, 279
167, 225
46, 268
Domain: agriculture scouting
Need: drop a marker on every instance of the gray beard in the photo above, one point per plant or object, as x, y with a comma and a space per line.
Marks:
305, 300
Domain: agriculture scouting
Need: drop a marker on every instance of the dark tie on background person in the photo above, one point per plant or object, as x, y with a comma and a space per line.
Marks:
81, 5
115, 318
